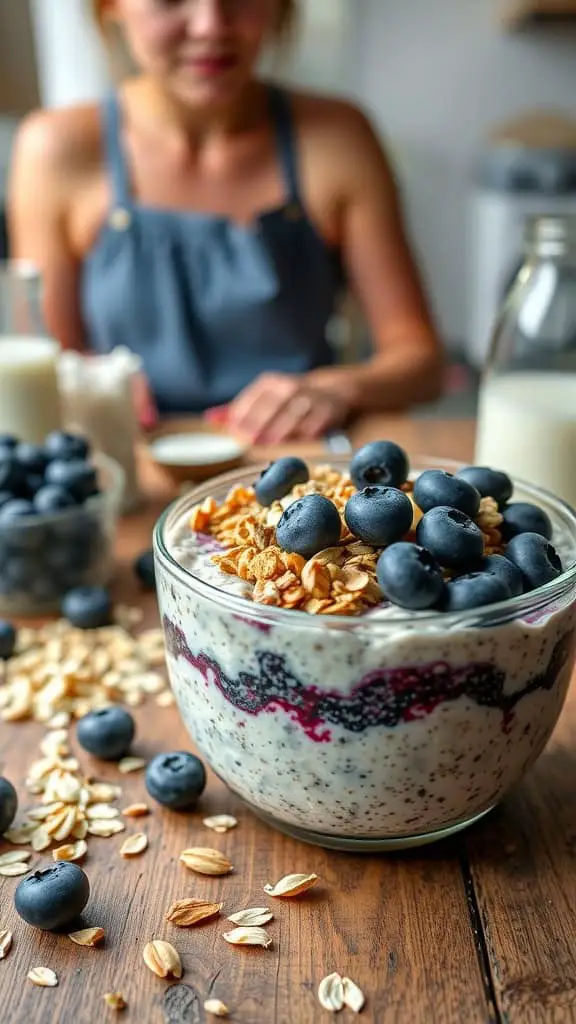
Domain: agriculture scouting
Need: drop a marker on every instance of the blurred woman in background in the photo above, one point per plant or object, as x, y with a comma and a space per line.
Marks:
209, 221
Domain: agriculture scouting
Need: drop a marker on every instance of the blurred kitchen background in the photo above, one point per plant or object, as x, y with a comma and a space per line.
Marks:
475, 99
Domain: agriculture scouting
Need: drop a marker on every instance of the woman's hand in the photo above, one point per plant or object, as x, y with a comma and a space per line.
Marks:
279, 407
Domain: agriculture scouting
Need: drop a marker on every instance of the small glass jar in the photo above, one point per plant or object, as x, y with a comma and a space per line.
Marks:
527, 412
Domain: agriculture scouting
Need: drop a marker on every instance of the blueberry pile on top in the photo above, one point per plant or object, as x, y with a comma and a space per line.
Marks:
444, 542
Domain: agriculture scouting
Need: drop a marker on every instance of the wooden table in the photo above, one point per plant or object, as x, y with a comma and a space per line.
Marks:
478, 929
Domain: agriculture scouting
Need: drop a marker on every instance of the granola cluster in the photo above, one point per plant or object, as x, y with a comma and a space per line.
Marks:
337, 581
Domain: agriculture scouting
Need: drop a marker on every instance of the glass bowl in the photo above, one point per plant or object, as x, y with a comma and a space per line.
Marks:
377, 732
42, 557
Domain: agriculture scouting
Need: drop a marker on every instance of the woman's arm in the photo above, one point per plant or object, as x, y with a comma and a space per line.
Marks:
38, 202
407, 364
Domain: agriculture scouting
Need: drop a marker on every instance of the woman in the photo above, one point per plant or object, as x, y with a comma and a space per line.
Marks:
206, 219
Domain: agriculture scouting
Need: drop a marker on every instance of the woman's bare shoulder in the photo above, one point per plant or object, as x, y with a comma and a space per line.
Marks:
66, 142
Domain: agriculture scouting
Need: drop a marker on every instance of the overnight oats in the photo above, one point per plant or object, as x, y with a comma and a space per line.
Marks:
369, 655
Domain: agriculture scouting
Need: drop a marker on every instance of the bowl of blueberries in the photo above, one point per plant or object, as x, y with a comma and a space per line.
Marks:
59, 507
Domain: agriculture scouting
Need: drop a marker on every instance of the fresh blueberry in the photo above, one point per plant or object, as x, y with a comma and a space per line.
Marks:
50, 498
309, 525
31, 457
8, 441
536, 557
379, 515
473, 591
145, 570
409, 576
490, 483
522, 517
8, 805
88, 607
379, 462
53, 897
76, 476
7, 639
451, 536
506, 570
12, 476
176, 780
34, 482
279, 478
435, 487
107, 733
18, 508
66, 447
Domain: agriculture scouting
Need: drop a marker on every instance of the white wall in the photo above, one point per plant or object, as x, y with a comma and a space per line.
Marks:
437, 75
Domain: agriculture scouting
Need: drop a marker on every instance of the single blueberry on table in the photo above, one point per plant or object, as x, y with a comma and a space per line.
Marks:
8, 804
52, 897
379, 515
435, 487
410, 577
279, 478
7, 639
522, 517
145, 570
380, 462
506, 570
49, 499
76, 476
88, 607
309, 525
176, 780
107, 733
474, 590
490, 483
65, 446
536, 558
32, 457
454, 540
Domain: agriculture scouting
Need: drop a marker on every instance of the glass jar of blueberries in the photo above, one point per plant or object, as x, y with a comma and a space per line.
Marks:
59, 506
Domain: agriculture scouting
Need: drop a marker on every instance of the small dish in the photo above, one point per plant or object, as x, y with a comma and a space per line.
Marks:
189, 450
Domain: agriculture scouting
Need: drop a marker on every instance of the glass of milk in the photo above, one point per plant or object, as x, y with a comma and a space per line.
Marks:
29, 395
527, 411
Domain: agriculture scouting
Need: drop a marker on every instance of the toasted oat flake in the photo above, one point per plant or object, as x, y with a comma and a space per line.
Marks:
21, 835
187, 912
43, 976
134, 845
136, 811
106, 828
115, 1000
248, 937
71, 851
252, 917
87, 936
101, 811
131, 764
163, 959
220, 822
5, 943
331, 992
103, 792
12, 870
216, 1007
354, 998
14, 857
165, 699
291, 885
205, 861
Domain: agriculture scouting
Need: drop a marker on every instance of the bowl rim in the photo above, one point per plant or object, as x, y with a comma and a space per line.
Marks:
112, 497
494, 614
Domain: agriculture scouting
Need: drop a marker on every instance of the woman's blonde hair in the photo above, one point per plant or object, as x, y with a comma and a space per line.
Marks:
284, 25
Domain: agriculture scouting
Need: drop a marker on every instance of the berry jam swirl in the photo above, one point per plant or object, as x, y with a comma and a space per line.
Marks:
385, 697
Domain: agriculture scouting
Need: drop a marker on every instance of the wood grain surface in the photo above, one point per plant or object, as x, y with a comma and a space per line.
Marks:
479, 929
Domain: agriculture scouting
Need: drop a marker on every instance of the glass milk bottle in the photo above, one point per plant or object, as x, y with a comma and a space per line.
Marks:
29, 395
527, 411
